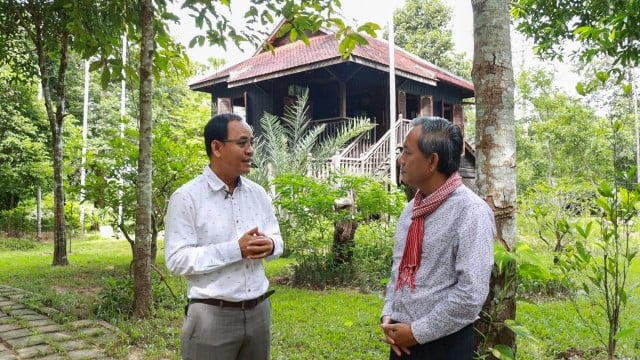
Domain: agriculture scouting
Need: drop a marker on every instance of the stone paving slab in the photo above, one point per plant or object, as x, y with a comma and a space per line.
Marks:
46, 328
15, 334
27, 341
27, 333
36, 351
8, 327
41, 323
8, 355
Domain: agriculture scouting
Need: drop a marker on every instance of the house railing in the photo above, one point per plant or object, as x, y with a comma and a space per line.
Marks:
374, 161
333, 127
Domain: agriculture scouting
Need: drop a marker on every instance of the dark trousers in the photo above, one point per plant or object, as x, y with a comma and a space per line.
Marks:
457, 346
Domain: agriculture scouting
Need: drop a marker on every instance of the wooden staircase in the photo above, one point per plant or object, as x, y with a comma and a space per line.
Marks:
363, 158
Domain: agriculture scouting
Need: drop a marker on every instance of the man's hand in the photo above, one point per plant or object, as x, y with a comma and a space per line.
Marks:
255, 244
398, 335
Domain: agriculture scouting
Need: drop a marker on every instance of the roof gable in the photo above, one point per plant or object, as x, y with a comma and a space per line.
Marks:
290, 58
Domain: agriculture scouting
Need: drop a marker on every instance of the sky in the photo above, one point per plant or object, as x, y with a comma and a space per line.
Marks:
377, 11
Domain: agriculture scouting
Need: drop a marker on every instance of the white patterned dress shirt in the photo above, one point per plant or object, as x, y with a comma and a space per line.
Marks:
452, 281
203, 225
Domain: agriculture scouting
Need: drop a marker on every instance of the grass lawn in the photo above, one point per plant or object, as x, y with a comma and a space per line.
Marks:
307, 324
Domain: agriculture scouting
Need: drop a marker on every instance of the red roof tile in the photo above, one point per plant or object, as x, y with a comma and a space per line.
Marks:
297, 57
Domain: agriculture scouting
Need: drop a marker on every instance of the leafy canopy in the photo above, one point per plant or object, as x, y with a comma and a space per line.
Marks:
602, 27
422, 28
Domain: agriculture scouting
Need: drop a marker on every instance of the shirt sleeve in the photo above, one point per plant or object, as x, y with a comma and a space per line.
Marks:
183, 255
473, 265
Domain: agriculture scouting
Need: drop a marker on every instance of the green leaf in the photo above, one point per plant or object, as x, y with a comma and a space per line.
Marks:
502, 257
603, 76
252, 12
105, 77
532, 271
580, 88
359, 39
625, 333
370, 28
293, 35
502, 352
519, 329
95, 65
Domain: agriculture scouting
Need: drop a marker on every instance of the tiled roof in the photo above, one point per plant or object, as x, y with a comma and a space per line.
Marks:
297, 57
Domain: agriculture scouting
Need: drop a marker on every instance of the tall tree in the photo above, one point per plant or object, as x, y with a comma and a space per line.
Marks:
496, 155
24, 157
43, 23
558, 133
422, 28
601, 27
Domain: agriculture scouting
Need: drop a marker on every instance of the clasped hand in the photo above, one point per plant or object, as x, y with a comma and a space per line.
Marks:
255, 244
398, 335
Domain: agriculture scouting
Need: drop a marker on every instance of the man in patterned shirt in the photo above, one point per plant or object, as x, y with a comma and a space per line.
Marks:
220, 226
443, 251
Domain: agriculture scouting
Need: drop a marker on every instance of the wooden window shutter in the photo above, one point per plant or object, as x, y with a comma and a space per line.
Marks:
225, 105
402, 104
426, 105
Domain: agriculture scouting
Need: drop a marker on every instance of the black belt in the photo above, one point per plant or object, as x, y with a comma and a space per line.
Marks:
244, 305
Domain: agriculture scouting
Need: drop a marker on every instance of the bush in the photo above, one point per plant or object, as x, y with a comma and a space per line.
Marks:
117, 298
369, 271
18, 244
307, 220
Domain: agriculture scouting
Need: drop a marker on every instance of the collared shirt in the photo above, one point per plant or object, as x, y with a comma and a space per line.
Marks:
203, 225
452, 281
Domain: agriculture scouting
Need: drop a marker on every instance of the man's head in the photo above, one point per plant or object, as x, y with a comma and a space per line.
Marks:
229, 145
432, 147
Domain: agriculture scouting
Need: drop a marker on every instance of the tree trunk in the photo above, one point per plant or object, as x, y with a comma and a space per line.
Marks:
56, 120
495, 148
60, 241
39, 213
344, 230
142, 253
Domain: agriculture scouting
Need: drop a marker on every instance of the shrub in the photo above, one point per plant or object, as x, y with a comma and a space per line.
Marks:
18, 244
369, 271
117, 298
307, 221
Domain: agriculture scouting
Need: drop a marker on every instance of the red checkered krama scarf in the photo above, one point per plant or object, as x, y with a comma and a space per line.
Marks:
413, 248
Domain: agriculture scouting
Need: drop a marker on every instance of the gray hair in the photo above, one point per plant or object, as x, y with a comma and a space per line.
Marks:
442, 137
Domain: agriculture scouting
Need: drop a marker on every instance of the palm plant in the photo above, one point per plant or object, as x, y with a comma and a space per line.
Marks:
293, 145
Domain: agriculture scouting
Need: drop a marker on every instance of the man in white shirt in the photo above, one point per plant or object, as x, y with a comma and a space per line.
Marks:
219, 227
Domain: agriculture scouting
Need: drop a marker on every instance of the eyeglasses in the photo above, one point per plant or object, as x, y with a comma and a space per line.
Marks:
242, 142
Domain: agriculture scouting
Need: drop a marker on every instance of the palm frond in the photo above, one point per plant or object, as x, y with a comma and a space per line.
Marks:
346, 133
306, 146
296, 118
274, 141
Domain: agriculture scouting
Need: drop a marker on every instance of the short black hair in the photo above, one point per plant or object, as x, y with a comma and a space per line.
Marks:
218, 129
442, 137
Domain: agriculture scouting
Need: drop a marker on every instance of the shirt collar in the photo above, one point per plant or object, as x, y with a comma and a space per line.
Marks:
214, 181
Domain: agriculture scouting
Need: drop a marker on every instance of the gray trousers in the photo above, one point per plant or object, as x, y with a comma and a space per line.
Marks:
217, 333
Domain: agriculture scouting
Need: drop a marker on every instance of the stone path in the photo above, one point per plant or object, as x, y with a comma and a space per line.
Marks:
27, 332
